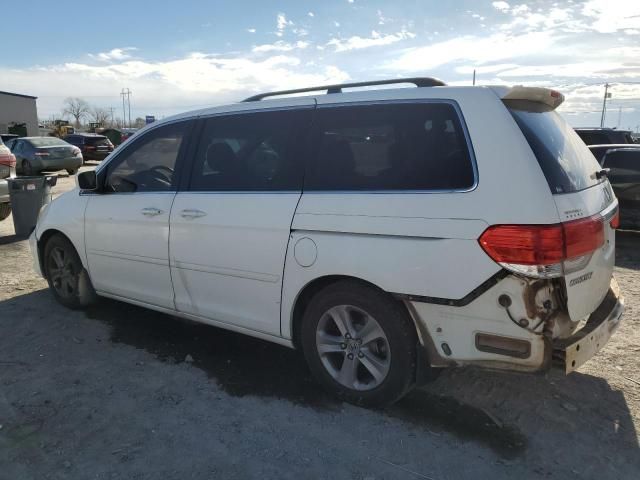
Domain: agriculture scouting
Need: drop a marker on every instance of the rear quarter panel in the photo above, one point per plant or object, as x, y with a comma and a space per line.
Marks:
423, 243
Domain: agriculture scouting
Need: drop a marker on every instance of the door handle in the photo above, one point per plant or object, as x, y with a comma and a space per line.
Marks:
191, 213
151, 212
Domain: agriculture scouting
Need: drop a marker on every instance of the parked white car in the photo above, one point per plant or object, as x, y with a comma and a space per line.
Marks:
387, 233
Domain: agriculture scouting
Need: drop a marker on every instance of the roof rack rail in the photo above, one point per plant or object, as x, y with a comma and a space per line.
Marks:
417, 81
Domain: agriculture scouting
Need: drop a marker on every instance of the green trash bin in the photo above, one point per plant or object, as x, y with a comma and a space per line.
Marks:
27, 196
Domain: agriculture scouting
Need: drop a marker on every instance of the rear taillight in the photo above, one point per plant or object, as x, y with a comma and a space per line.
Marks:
544, 251
8, 160
89, 147
615, 221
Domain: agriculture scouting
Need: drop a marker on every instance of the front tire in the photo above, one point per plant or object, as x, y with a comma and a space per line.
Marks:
68, 280
5, 210
360, 344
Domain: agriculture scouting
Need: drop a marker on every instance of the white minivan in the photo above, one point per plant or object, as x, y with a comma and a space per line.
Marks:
386, 233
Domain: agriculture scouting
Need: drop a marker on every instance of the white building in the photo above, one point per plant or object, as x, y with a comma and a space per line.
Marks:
16, 108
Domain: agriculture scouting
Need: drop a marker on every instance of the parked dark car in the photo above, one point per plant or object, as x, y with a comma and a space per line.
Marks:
92, 145
624, 174
37, 154
599, 151
601, 136
7, 169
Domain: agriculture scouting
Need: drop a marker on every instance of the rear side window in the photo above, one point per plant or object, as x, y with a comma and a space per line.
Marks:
623, 160
420, 146
565, 160
251, 152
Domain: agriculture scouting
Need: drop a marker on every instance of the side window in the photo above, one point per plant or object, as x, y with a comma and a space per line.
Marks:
148, 164
390, 147
250, 152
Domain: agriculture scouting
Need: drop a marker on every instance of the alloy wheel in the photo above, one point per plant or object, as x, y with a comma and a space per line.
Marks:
353, 347
62, 273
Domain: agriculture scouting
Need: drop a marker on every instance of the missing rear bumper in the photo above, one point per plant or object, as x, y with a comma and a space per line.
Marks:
572, 352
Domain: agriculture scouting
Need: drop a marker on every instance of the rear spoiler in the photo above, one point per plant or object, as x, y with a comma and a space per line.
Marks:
549, 97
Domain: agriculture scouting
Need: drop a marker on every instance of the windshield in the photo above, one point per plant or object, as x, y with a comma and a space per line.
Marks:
565, 160
47, 142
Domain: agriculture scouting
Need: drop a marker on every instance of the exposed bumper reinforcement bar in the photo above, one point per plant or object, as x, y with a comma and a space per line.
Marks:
570, 353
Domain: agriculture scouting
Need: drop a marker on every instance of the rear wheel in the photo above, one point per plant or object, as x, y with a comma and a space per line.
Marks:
5, 210
360, 344
67, 278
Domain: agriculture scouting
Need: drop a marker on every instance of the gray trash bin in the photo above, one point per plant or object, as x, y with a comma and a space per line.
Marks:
27, 196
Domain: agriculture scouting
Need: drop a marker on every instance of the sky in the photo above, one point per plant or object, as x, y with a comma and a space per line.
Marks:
176, 56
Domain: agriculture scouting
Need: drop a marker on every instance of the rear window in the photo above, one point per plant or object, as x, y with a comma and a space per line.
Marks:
47, 142
390, 147
96, 141
565, 160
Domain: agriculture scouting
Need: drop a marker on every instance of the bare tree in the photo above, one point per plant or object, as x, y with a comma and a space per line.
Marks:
100, 115
76, 107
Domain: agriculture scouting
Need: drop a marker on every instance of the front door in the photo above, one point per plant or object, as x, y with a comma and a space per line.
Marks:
127, 223
230, 229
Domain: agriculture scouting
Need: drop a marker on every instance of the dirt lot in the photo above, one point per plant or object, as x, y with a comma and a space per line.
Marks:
120, 392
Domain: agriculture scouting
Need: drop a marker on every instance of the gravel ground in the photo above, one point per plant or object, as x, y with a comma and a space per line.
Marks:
121, 392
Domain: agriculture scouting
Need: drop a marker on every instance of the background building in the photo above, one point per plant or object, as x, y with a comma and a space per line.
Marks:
17, 109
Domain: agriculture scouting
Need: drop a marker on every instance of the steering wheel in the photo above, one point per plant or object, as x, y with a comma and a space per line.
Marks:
161, 169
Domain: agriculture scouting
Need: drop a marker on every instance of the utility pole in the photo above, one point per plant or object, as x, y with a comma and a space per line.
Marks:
111, 109
126, 92
619, 116
604, 104
474, 76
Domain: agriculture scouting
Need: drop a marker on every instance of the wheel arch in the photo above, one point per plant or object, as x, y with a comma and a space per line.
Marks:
42, 241
315, 286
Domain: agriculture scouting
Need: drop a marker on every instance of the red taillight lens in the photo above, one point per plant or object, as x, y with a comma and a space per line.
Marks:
540, 250
89, 147
615, 221
8, 160
583, 236
524, 244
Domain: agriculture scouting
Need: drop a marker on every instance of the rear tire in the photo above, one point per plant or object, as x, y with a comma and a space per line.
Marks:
68, 280
5, 210
360, 344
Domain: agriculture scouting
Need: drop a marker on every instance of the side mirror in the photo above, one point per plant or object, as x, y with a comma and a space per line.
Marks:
88, 180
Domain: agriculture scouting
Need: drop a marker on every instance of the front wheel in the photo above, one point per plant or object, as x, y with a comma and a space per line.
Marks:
5, 210
67, 278
360, 344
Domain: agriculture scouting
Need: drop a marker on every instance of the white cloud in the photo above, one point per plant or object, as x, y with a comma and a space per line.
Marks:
251, 30
613, 15
336, 23
311, 14
167, 86
502, 6
280, 46
282, 23
114, 54
376, 39
474, 49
